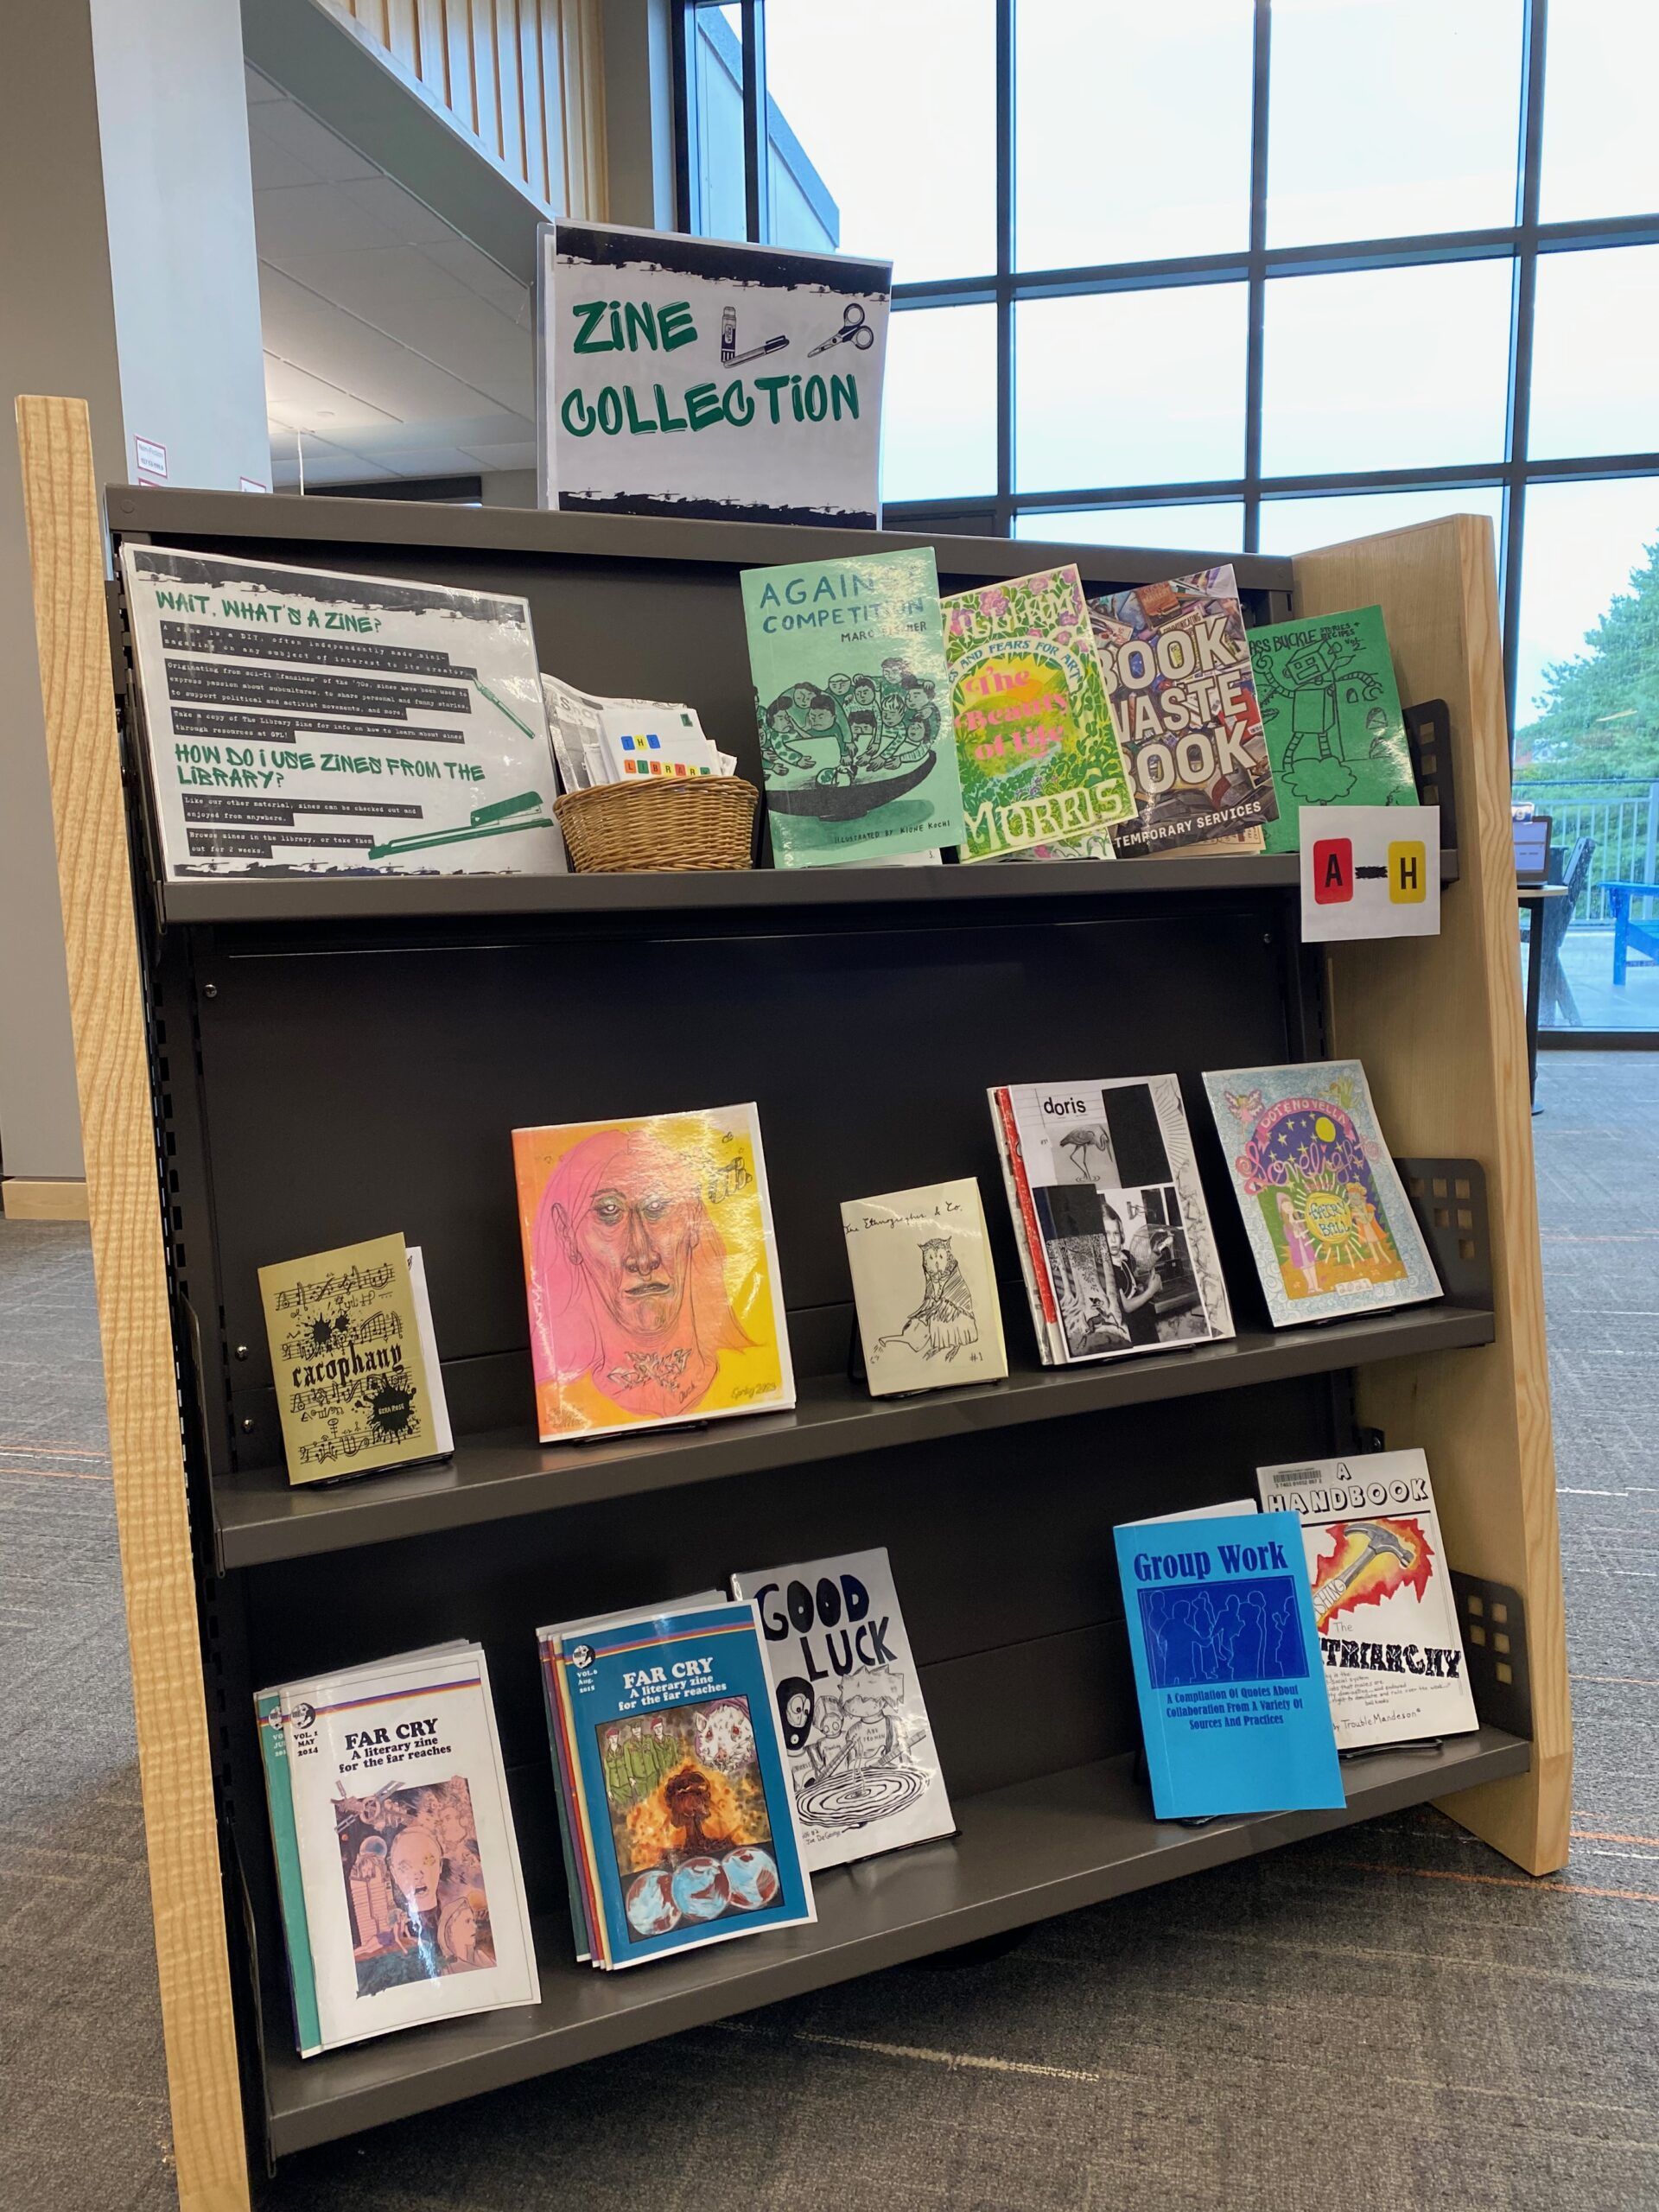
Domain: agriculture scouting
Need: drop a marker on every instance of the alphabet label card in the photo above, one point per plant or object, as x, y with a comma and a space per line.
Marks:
1369, 871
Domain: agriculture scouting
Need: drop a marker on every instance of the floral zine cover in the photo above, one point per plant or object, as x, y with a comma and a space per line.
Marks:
1036, 743
1330, 1227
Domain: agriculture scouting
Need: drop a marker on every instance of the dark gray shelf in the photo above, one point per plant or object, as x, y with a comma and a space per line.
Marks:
767, 891
528, 535
260, 1518
1023, 1853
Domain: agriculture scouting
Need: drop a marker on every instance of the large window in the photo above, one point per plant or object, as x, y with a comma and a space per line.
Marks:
1255, 274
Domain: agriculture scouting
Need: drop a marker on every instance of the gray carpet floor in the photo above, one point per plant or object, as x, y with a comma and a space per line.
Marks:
1386, 2020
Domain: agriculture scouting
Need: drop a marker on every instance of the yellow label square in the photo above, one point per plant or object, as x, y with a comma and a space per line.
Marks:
1408, 872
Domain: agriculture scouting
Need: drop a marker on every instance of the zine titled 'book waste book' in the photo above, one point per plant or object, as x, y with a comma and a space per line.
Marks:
1177, 663
1329, 1228
1382, 1602
652, 1272
677, 1806
304, 722
396, 1865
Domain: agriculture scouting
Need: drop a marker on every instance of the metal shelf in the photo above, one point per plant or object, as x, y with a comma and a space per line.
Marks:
260, 1518
797, 892
1022, 1854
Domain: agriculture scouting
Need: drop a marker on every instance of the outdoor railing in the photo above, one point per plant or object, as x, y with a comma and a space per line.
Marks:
1622, 815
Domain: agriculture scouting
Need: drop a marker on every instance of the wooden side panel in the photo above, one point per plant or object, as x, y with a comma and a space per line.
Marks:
1438, 1023
145, 1447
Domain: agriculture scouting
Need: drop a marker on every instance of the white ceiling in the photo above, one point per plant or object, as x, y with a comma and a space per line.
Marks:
393, 345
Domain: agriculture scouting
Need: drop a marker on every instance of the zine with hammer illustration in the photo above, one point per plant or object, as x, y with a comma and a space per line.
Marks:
1382, 1602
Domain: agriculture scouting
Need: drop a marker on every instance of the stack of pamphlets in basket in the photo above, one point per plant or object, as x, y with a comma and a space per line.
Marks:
397, 1869
675, 1809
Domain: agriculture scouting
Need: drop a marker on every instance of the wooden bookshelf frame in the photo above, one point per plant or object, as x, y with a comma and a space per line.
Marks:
1437, 1022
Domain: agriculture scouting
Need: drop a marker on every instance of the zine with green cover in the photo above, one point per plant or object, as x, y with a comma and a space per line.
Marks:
853, 698
1036, 743
1331, 711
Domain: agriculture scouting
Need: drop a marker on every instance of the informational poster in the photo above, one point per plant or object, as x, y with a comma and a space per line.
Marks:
303, 722
699, 378
1369, 871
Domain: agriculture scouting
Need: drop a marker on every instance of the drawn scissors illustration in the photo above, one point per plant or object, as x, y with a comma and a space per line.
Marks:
855, 331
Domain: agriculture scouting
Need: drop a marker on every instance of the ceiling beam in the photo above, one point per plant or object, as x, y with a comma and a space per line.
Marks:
315, 52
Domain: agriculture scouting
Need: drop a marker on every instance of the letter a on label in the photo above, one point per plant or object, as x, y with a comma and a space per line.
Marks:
1333, 871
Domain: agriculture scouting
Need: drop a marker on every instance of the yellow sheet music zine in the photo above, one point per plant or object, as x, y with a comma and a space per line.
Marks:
346, 1359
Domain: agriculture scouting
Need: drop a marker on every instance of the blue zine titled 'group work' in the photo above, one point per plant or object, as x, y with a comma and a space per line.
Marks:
1227, 1666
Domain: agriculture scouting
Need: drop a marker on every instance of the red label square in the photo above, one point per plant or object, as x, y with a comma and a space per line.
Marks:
1333, 871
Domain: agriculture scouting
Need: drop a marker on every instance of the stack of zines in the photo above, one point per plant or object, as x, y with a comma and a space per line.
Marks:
396, 1865
1109, 1215
676, 1812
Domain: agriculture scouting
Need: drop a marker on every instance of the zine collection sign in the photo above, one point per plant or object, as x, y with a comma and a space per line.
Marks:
697, 377
1369, 871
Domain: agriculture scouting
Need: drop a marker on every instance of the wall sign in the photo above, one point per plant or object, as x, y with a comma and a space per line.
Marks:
303, 722
1369, 871
694, 377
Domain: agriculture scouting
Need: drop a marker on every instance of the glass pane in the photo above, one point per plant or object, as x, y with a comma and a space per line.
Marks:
893, 105
1130, 388
1166, 100
1586, 740
1297, 526
1386, 368
1601, 153
715, 62
1595, 353
1212, 526
938, 431
1388, 118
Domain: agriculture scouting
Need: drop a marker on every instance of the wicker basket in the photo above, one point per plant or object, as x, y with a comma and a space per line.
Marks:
705, 821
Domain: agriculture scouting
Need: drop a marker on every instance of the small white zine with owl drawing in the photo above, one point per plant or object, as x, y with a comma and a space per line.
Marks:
863, 1768
928, 1315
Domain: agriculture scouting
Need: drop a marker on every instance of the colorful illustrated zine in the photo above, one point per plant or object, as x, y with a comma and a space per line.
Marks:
1329, 1225
677, 1803
928, 1314
853, 698
1177, 664
302, 721
1331, 712
397, 1868
1227, 1666
1382, 1602
1115, 1239
652, 1272
354, 1361
856, 1737
1038, 755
